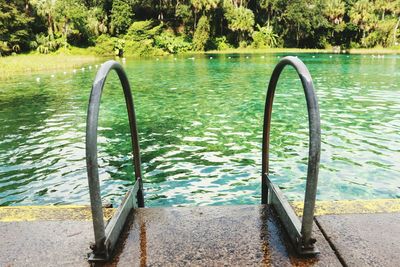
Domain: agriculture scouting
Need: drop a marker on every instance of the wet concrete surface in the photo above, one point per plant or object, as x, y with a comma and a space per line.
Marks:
364, 239
198, 236
195, 236
212, 236
45, 243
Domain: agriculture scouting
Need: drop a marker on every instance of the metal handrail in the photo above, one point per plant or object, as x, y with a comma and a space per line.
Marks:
301, 238
106, 238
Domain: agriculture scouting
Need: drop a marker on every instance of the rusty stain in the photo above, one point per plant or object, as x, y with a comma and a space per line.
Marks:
143, 244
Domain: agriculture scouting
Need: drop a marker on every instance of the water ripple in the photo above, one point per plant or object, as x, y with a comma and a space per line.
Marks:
200, 127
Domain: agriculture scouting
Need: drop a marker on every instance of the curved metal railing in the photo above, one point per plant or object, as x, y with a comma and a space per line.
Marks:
106, 238
299, 235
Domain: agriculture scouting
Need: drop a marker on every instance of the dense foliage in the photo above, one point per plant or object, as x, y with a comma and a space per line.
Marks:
172, 26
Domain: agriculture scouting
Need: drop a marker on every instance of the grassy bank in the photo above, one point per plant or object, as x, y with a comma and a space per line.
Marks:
376, 51
33, 63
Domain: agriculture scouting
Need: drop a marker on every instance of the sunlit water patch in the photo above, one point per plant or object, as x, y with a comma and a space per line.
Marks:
200, 127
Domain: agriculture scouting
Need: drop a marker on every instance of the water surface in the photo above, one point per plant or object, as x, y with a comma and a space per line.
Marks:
200, 127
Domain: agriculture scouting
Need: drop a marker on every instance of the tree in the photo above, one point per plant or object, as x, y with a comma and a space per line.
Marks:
264, 37
202, 34
184, 14
334, 11
269, 6
15, 31
97, 21
363, 16
203, 5
121, 16
240, 19
46, 9
302, 23
72, 22
385, 6
396, 12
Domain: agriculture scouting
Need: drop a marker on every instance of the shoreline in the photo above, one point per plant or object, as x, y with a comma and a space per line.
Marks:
37, 63
354, 51
265, 51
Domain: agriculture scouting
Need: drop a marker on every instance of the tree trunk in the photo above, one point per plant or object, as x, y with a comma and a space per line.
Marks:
160, 15
195, 19
50, 26
27, 7
221, 25
363, 37
395, 31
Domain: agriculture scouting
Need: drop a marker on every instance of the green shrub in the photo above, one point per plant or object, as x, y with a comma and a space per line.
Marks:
105, 45
119, 45
354, 45
4, 49
142, 48
142, 30
202, 34
221, 43
46, 44
171, 43
242, 44
264, 37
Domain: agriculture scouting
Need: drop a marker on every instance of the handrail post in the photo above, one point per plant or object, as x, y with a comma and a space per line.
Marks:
301, 238
105, 238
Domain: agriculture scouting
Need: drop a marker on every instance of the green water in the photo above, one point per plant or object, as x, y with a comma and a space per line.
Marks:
200, 127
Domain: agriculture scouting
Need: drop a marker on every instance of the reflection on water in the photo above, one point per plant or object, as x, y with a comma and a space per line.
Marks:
200, 127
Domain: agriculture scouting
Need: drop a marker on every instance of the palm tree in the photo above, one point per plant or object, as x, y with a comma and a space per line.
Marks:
385, 6
46, 8
362, 15
334, 11
203, 5
241, 20
396, 12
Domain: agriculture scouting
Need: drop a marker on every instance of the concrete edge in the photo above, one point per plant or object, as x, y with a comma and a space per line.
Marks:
50, 213
351, 206
83, 213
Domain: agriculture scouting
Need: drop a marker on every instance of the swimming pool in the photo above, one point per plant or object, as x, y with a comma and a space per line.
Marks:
200, 127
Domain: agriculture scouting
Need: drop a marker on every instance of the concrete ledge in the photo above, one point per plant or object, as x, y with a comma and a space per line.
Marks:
83, 213
351, 206
49, 213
